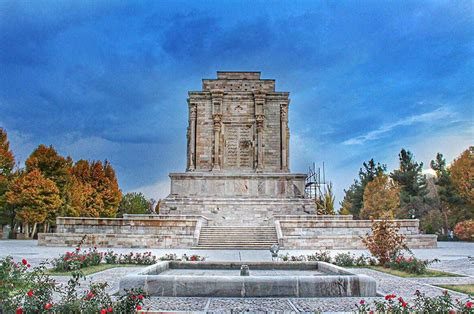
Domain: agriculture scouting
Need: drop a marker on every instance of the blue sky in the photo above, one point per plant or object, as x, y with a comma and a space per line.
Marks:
109, 79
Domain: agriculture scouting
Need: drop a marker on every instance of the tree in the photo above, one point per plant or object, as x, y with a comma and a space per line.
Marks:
7, 163
462, 173
133, 203
449, 199
33, 196
381, 198
56, 168
325, 202
354, 196
52, 165
100, 184
413, 192
385, 241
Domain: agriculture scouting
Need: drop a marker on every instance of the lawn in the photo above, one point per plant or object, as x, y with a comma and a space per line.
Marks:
467, 289
399, 273
91, 269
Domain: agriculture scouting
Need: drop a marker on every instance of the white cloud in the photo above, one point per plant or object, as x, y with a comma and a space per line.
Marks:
438, 114
157, 190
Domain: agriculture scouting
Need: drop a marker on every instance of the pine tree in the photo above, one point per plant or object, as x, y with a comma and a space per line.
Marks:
33, 197
449, 198
413, 193
7, 163
354, 197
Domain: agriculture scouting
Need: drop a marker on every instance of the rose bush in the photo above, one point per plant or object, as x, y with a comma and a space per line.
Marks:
30, 290
421, 304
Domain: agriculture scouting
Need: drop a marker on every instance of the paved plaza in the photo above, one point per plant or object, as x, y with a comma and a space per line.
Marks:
454, 257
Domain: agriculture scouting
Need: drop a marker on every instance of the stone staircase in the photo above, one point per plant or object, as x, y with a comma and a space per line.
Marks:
238, 237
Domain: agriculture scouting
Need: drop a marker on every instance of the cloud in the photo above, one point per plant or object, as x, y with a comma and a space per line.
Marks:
428, 117
157, 190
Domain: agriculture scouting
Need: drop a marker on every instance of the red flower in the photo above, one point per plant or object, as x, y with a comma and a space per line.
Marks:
371, 312
452, 312
30, 293
19, 310
90, 295
362, 302
404, 304
103, 311
24, 261
140, 297
139, 307
133, 297
469, 304
48, 306
110, 310
28, 265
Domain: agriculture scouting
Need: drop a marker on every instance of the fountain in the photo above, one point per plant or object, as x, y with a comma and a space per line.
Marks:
249, 279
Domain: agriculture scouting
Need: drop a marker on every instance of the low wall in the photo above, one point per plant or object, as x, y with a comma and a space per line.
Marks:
308, 233
157, 231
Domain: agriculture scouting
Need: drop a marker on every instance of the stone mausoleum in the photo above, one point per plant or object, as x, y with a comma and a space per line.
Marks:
237, 190
237, 169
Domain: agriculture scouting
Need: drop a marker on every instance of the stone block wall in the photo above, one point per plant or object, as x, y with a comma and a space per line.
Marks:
194, 184
131, 231
238, 211
307, 233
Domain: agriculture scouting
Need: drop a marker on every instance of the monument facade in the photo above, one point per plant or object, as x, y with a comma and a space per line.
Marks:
238, 154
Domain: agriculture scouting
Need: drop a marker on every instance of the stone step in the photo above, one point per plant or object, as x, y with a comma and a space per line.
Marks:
238, 234
227, 242
236, 237
233, 247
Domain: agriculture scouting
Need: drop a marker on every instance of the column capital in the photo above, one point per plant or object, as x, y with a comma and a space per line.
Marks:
260, 119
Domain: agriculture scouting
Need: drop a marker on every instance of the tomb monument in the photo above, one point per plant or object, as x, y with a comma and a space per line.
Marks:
238, 170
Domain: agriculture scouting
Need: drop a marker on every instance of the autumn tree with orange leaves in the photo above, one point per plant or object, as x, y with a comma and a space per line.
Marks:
381, 198
462, 175
33, 197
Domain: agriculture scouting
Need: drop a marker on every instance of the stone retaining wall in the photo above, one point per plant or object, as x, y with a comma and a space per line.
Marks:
305, 233
146, 231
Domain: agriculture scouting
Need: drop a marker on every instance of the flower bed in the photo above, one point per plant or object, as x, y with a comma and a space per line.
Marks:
410, 264
25, 290
340, 259
421, 304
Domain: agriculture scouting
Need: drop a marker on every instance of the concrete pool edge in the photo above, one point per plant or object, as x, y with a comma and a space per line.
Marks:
338, 282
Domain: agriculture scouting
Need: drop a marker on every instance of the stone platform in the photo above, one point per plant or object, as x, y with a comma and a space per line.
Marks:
245, 199
181, 231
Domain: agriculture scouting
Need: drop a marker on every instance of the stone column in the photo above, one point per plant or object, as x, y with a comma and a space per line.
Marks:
192, 137
217, 97
260, 118
284, 136
217, 118
259, 121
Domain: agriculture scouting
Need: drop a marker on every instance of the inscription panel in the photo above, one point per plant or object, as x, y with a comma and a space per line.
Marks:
238, 147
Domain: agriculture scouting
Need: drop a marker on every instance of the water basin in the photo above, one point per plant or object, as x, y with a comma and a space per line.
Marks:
264, 279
